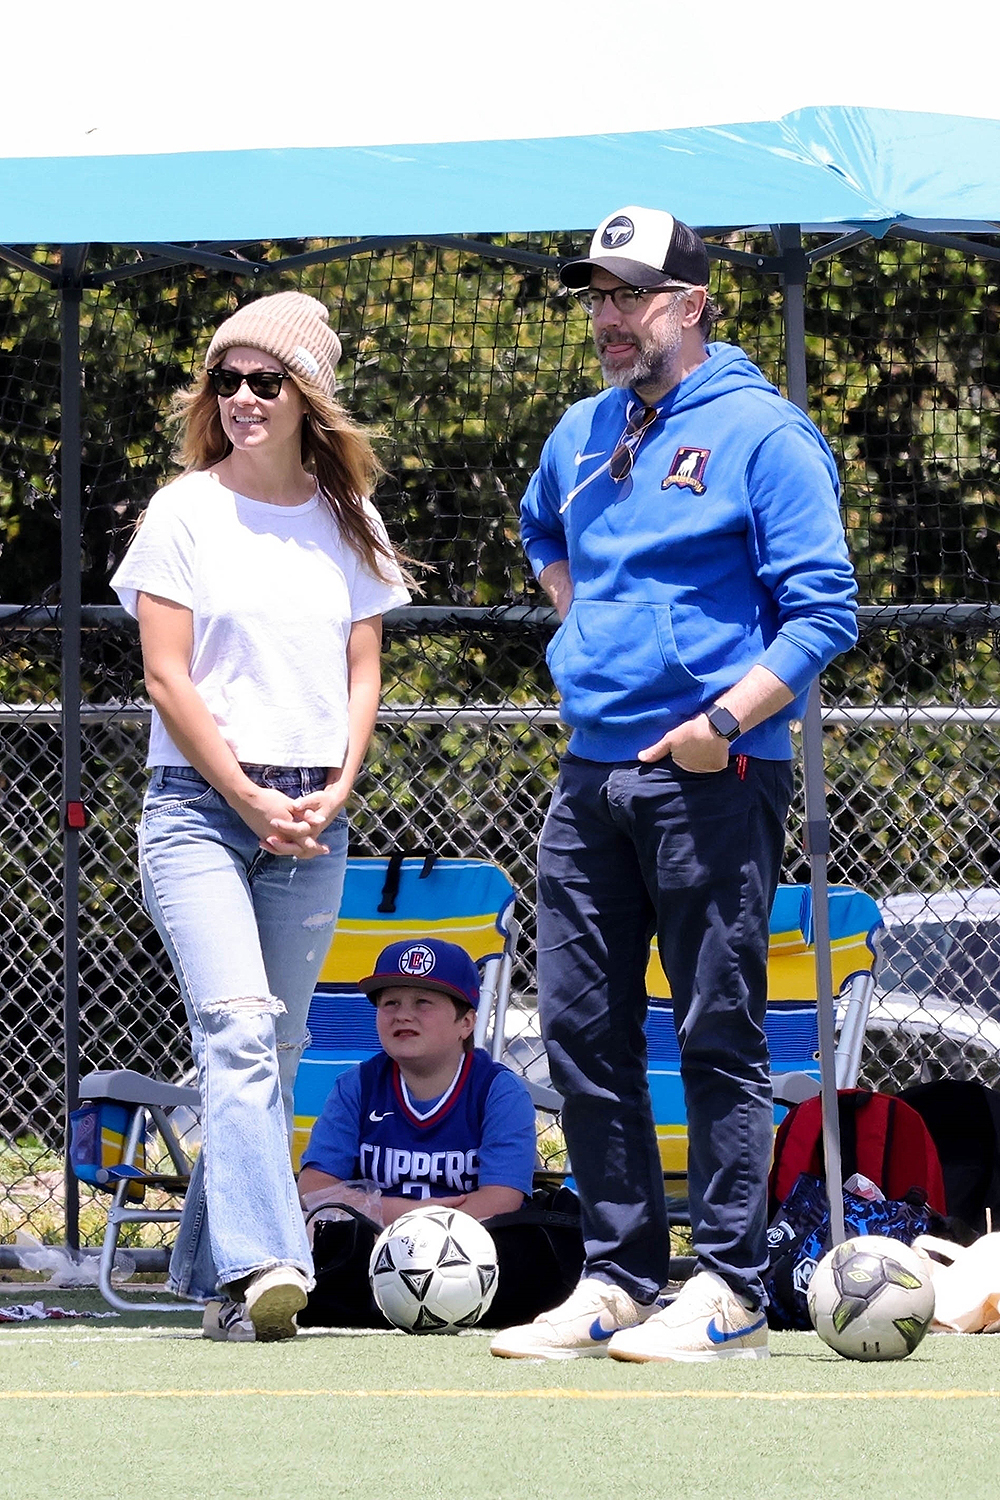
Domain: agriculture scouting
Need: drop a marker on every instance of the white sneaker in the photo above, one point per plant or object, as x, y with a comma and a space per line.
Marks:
579, 1328
226, 1320
272, 1300
705, 1321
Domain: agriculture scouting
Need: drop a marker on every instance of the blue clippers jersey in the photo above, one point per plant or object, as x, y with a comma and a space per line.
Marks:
412, 1157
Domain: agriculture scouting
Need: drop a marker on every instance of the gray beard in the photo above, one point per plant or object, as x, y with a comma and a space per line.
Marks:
639, 372
650, 367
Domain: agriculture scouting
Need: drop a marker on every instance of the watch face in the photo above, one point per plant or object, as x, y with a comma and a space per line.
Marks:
723, 722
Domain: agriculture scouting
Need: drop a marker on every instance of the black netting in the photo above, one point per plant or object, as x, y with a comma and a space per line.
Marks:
464, 361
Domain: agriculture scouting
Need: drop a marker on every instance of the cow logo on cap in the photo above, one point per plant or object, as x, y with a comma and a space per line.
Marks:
417, 961
617, 232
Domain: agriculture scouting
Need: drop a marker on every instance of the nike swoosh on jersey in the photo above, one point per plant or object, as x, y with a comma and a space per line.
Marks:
376, 1119
718, 1336
582, 457
599, 1333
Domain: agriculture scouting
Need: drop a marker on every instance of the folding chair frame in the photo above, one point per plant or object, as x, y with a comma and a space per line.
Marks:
142, 1096
542, 1097
792, 1088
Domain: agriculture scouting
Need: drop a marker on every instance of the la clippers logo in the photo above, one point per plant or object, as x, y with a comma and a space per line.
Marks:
688, 469
416, 962
618, 232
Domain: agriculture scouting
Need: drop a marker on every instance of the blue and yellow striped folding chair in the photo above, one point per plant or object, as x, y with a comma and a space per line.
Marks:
791, 1021
465, 901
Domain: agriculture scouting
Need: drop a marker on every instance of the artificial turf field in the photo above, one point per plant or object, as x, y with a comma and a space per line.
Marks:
142, 1406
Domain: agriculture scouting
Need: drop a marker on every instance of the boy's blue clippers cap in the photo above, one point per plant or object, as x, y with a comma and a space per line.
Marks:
428, 964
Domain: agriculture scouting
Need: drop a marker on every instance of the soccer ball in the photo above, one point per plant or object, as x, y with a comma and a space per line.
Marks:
434, 1270
871, 1298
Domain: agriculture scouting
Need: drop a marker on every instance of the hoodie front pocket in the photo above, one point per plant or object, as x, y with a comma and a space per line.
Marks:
611, 659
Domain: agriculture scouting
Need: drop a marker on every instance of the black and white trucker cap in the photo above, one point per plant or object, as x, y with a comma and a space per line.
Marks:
643, 247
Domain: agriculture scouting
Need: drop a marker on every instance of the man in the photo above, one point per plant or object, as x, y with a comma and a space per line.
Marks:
685, 525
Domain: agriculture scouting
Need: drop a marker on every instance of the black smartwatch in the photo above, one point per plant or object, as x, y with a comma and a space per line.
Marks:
725, 724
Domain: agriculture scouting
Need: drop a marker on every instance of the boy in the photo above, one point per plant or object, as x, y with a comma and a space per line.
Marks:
428, 1117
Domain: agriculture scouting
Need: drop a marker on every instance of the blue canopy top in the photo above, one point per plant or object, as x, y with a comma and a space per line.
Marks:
831, 166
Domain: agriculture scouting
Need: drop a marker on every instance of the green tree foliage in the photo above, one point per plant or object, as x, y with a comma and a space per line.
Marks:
29, 434
466, 363
903, 367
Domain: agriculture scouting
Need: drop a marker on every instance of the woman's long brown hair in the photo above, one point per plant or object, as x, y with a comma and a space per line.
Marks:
335, 448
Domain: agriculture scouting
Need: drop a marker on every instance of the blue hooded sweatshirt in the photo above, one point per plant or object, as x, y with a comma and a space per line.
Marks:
722, 550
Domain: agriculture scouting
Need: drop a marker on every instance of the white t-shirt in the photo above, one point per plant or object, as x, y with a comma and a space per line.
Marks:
273, 590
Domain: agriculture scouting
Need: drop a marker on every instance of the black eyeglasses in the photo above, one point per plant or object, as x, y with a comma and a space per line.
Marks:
264, 384
621, 461
625, 298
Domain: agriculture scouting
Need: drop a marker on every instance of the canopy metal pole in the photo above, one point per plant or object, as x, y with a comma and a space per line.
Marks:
817, 829
70, 462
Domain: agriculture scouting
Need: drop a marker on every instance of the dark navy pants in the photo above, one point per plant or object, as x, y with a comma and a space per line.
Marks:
628, 850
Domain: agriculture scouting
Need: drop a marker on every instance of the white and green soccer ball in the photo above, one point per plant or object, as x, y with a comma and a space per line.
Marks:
434, 1270
871, 1298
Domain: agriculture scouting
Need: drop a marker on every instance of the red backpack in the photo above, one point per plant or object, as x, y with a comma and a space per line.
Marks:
880, 1136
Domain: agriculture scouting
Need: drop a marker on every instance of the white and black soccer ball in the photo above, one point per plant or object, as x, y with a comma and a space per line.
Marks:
871, 1298
434, 1270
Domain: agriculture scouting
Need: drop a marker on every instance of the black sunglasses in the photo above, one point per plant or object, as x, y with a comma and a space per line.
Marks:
264, 384
621, 461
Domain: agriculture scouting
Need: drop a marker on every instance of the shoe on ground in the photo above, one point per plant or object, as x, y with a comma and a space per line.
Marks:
226, 1320
705, 1321
273, 1298
580, 1328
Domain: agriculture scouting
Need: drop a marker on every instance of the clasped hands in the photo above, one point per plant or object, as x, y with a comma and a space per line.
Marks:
291, 826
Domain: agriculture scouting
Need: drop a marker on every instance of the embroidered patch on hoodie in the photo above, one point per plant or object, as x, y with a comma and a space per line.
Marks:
688, 469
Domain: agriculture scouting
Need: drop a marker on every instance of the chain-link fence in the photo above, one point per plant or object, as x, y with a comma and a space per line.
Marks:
466, 360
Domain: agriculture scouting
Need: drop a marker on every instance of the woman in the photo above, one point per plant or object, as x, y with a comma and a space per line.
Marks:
259, 578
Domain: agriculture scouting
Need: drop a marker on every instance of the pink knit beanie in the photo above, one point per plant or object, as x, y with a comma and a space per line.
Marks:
290, 326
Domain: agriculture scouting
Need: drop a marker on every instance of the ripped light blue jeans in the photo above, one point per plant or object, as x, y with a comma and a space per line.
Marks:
247, 933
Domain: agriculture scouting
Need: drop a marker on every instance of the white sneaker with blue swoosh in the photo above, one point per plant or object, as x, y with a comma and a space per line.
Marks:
705, 1321
582, 1327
